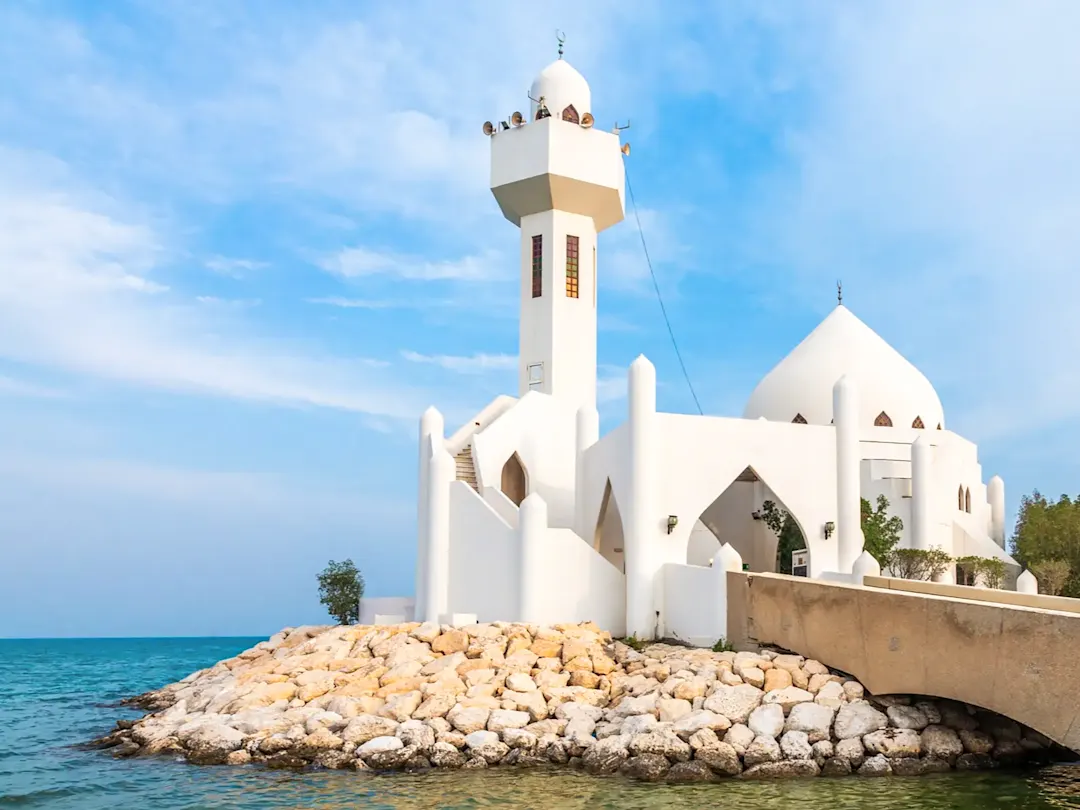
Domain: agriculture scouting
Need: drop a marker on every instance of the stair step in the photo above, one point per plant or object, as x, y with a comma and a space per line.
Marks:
465, 470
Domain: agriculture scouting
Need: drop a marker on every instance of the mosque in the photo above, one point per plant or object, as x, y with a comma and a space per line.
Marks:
526, 513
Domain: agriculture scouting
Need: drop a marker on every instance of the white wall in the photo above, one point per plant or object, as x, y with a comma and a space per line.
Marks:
578, 584
483, 558
695, 604
370, 606
541, 430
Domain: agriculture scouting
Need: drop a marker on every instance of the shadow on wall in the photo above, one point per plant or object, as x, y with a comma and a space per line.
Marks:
514, 483
608, 536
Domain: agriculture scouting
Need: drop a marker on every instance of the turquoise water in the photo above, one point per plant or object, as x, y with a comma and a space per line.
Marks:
55, 694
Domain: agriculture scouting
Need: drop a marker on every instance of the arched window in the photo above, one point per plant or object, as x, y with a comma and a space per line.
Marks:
570, 114
513, 480
883, 420
799, 419
939, 425
960, 498
918, 423
967, 500
542, 111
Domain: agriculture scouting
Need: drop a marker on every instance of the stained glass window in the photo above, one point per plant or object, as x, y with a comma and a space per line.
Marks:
538, 266
571, 267
918, 423
799, 419
570, 114
883, 420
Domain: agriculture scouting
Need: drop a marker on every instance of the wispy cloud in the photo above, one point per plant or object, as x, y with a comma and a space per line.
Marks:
9, 386
471, 364
360, 262
228, 303
234, 268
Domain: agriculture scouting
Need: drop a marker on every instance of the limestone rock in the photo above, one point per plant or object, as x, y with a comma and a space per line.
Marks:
788, 698
487, 746
734, 702
796, 745
366, 727
815, 719
911, 717
767, 720
857, 720
671, 710
500, 720
664, 743
740, 737
893, 742
720, 757
688, 724
875, 766
468, 719
941, 742
646, 767
836, 766
762, 749
694, 771
417, 734
852, 750
976, 742
776, 679
832, 695
606, 756
782, 770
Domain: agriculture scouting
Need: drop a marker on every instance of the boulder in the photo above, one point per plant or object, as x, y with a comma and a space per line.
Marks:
941, 742
694, 771
788, 698
858, 720
734, 702
796, 745
782, 770
664, 743
646, 767
894, 743
767, 720
606, 756
815, 719
720, 757
762, 749
909, 717
875, 766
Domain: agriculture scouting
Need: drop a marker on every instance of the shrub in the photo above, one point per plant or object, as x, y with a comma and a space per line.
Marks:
917, 563
987, 571
722, 645
1052, 575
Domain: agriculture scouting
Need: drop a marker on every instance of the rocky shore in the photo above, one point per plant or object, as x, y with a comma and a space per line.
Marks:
417, 696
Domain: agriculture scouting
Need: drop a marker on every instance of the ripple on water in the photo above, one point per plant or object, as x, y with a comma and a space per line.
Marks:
51, 700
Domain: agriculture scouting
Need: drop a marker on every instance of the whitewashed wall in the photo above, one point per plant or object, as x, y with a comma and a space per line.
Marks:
695, 604
578, 584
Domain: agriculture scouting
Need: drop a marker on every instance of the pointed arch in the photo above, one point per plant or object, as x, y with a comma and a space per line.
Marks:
939, 425
608, 535
799, 419
918, 423
960, 498
514, 483
967, 500
571, 114
883, 420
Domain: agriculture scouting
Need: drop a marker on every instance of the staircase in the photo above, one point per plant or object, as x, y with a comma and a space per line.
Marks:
466, 472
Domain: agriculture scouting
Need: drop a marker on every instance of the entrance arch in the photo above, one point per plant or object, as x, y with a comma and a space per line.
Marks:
608, 536
749, 516
514, 484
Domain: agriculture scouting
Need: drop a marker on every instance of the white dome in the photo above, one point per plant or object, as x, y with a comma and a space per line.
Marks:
561, 86
802, 383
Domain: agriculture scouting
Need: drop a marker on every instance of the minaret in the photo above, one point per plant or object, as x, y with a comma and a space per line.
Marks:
561, 181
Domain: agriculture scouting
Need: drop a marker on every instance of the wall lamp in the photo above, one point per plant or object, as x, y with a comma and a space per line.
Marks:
756, 515
672, 522
830, 527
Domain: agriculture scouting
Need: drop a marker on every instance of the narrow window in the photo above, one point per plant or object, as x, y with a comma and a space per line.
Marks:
883, 420
939, 425
538, 266
570, 114
918, 423
799, 419
967, 500
960, 498
571, 267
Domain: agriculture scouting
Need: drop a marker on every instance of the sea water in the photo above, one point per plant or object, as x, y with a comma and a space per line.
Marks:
55, 694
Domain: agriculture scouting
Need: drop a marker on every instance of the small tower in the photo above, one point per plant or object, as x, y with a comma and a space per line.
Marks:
560, 181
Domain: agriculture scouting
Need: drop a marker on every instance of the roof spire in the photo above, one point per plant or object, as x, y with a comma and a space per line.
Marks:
561, 37
839, 293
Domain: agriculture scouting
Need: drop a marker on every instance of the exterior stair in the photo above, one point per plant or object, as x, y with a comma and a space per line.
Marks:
466, 471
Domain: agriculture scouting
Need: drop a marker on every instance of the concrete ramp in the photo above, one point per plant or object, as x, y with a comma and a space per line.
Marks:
1019, 661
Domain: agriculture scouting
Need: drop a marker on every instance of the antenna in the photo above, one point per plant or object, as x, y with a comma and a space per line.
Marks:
489, 129
625, 149
839, 292
617, 129
561, 37
587, 120
517, 119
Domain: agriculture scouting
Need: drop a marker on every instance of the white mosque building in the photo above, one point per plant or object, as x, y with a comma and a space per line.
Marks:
527, 514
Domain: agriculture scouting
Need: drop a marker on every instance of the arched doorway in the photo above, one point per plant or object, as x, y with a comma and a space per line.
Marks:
749, 516
513, 484
608, 536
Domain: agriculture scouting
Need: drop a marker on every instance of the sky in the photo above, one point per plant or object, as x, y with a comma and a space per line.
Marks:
243, 246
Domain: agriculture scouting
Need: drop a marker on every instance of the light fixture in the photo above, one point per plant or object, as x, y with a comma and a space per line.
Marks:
756, 515
587, 120
672, 522
489, 128
625, 150
830, 527
517, 119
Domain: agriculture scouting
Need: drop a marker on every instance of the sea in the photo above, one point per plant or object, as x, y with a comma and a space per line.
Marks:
56, 694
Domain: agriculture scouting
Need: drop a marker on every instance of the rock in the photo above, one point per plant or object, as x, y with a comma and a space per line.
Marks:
671, 710
762, 749
930, 711
630, 706
875, 766
687, 725
417, 734
832, 695
796, 745
445, 755
739, 737
487, 746
776, 679
894, 743
501, 719
720, 757
314, 744
976, 742
753, 676
639, 724
975, 762
694, 771
823, 750
956, 717
854, 690
911, 717
385, 753
788, 698
814, 719
664, 743
646, 767
366, 727
606, 756
767, 720
836, 766
451, 641
520, 682
782, 770
211, 743
734, 702
852, 750
941, 742
468, 719
857, 720
334, 760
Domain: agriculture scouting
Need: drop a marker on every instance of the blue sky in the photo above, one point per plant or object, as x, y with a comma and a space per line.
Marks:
243, 246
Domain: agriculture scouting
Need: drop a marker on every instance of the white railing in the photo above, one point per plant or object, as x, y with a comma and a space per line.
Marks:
496, 408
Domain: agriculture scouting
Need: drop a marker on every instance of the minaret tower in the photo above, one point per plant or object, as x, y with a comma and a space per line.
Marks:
560, 181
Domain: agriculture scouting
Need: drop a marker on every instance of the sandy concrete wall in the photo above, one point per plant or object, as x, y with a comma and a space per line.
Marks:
1015, 660
1059, 603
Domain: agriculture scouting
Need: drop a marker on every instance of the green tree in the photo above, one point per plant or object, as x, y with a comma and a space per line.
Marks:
987, 571
789, 536
881, 533
340, 587
1049, 530
917, 563
1052, 575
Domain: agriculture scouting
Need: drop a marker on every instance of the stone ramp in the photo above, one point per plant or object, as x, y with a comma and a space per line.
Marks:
1016, 660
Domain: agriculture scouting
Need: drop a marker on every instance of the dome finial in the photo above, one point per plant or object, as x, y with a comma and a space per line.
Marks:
839, 293
561, 37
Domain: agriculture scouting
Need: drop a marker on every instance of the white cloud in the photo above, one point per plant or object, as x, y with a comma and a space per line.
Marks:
234, 268
233, 303
359, 262
9, 386
472, 364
